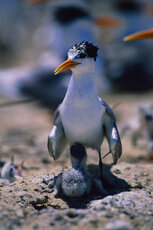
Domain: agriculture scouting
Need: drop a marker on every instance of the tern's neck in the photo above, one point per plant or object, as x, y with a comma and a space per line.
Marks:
83, 81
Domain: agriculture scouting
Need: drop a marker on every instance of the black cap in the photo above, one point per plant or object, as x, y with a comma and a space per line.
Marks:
85, 50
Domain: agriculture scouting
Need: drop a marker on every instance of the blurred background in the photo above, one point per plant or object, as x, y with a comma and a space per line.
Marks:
35, 36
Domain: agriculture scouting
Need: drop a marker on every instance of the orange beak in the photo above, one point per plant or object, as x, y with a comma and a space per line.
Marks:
68, 64
107, 21
146, 34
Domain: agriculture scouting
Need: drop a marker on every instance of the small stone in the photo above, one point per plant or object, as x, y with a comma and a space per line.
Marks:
35, 226
58, 217
47, 178
117, 171
109, 215
72, 214
46, 161
5, 213
119, 225
127, 168
20, 213
144, 174
138, 185
135, 177
94, 223
51, 185
51, 223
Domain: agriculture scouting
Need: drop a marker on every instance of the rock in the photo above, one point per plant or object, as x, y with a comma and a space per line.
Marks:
117, 171
35, 226
119, 225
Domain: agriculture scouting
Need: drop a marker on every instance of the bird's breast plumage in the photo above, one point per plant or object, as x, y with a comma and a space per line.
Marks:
81, 114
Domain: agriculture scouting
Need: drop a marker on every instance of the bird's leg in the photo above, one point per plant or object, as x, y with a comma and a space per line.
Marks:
100, 167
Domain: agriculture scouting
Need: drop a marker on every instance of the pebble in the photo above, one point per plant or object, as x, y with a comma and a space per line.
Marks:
119, 225
35, 226
20, 213
51, 185
138, 185
71, 213
117, 171
5, 213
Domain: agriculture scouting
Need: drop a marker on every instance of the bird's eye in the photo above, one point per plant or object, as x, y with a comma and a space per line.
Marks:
82, 55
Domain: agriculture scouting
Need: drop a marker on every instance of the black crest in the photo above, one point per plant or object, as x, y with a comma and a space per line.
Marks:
85, 50
68, 14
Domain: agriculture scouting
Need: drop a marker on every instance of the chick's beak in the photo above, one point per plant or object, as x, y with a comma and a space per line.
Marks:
68, 64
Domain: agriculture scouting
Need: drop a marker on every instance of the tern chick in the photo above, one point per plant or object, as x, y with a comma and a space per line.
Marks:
141, 127
10, 172
77, 182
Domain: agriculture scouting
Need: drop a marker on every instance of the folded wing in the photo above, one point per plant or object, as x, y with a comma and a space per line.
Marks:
111, 132
56, 139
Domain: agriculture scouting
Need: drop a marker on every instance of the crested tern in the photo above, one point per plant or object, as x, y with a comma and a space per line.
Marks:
83, 117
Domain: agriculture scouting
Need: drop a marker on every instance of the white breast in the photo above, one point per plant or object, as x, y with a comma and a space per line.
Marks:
81, 114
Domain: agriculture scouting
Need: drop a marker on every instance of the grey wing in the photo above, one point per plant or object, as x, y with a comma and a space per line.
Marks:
111, 132
56, 139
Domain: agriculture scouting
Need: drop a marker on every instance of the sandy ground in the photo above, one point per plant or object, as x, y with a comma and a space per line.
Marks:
23, 133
